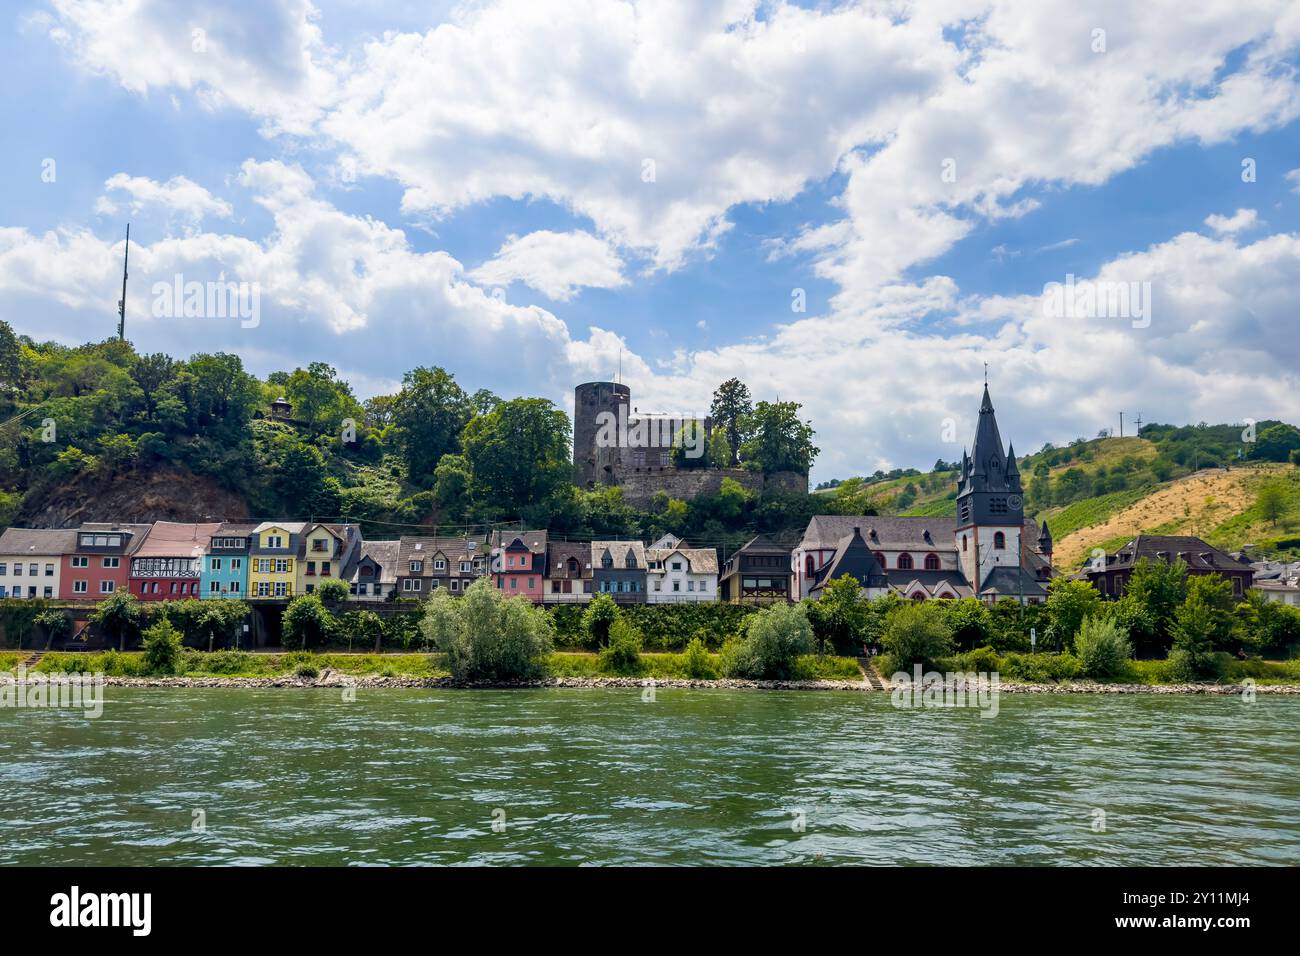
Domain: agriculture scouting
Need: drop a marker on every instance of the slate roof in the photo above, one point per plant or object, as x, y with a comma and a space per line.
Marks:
386, 554
138, 532
454, 549
1011, 581
934, 583
881, 532
42, 541
854, 559
1169, 548
558, 554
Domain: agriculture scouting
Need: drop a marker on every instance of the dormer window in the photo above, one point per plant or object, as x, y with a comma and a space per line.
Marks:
631, 560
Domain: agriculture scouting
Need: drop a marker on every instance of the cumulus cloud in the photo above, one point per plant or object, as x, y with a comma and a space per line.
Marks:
556, 264
177, 195
1239, 221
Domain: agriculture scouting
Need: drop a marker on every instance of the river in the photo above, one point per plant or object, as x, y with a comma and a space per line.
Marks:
236, 776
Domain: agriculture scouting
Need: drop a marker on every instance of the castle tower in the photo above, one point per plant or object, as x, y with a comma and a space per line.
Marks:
990, 503
596, 466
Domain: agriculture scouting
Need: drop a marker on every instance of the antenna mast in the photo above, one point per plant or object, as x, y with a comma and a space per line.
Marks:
121, 303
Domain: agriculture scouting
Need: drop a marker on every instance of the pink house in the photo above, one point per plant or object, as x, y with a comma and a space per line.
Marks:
519, 564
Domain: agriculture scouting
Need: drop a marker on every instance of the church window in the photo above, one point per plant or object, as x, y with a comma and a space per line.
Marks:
999, 540
810, 564
932, 562
905, 562
963, 542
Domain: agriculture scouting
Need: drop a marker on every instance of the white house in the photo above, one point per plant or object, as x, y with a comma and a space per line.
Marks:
678, 573
31, 561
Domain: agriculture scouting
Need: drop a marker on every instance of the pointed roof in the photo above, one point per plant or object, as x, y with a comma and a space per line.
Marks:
854, 559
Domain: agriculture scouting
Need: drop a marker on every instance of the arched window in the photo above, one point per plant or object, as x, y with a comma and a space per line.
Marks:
963, 542
999, 541
809, 565
932, 562
905, 562
918, 596
881, 558
945, 596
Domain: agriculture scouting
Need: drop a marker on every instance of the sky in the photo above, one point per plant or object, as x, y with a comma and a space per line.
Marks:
853, 206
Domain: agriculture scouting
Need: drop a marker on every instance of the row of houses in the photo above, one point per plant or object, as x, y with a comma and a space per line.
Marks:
277, 561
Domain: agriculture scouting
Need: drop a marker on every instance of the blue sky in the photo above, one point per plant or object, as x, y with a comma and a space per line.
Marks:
414, 183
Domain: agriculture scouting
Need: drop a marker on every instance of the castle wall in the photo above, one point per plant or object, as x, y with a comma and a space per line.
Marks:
640, 487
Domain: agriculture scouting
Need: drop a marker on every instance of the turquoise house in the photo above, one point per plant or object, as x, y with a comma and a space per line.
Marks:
225, 563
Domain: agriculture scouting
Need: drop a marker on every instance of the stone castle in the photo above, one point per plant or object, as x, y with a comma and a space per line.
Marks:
614, 444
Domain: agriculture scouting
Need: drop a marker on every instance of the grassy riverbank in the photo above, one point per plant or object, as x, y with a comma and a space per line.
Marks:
300, 664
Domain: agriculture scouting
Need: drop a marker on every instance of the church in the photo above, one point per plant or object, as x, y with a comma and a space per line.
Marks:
989, 551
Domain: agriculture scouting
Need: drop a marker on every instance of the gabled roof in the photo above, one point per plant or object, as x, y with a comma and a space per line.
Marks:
174, 539
38, 541
386, 554
762, 544
618, 550
235, 528
292, 527
455, 549
881, 532
1010, 581
933, 583
1169, 548
700, 560
852, 559
558, 554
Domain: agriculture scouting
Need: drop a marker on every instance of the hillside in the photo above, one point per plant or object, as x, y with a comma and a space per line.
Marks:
1101, 492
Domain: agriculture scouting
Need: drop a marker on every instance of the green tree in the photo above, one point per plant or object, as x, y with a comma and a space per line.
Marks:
162, 648
1102, 648
120, 616
486, 636
1271, 502
1194, 632
151, 374
917, 632
779, 440
839, 617
306, 623
332, 592
518, 454
430, 412
732, 405
1160, 588
774, 639
11, 353
1276, 443
320, 398
598, 618
451, 483
971, 623
622, 655
56, 624
1068, 603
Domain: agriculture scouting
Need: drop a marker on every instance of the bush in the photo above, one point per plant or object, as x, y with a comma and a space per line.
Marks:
622, 655
1196, 626
332, 592
162, 648
697, 664
306, 623
917, 632
598, 620
774, 640
1103, 648
981, 660
487, 636
226, 662
1040, 668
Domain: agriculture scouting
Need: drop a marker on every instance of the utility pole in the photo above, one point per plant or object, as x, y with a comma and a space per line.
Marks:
1121, 424
121, 303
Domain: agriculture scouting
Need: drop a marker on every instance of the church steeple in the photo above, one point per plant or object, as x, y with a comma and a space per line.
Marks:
992, 493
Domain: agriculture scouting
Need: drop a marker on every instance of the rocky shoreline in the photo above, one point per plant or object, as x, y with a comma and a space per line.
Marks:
335, 680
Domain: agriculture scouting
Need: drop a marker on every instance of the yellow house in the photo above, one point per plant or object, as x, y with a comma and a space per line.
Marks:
274, 556
329, 553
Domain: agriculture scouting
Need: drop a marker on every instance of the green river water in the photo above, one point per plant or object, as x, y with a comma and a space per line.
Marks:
169, 776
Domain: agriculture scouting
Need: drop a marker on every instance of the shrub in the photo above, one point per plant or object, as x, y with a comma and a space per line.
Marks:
1040, 668
982, 660
487, 636
599, 618
162, 648
1068, 603
697, 664
1196, 626
970, 622
227, 662
1103, 648
332, 592
917, 632
622, 655
774, 639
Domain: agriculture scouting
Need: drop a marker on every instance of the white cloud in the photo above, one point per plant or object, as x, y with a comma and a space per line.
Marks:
1293, 177
556, 264
1239, 221
178, 194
